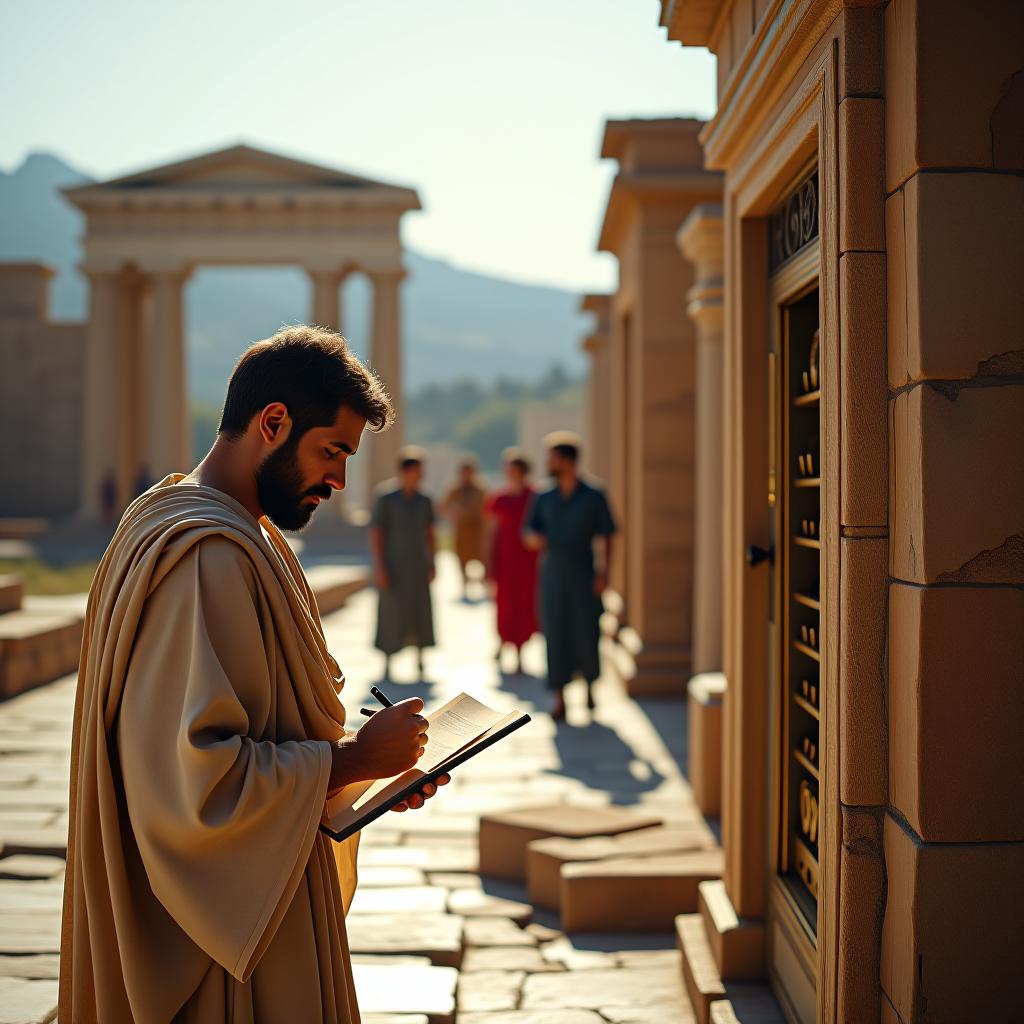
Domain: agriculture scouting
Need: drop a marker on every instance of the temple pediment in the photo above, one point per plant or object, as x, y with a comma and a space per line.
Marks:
242, 169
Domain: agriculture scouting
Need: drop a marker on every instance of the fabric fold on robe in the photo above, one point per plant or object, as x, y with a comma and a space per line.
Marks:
198, 886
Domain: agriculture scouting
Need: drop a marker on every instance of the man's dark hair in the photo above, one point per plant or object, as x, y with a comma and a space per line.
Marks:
313, 373
567, 451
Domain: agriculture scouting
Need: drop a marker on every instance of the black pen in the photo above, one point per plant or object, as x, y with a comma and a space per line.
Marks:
379, 694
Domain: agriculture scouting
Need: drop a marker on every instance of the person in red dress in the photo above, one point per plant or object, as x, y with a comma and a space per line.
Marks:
511, 566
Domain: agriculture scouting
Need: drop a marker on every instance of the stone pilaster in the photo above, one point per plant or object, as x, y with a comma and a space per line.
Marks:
700, 240
598, 427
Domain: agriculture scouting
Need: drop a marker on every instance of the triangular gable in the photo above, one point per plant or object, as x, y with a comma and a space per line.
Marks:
237, 167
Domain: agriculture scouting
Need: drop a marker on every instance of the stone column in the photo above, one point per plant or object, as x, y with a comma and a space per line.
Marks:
386, 360
597, 345
326, 298
165, 409
619, 427
100, 408
700, 240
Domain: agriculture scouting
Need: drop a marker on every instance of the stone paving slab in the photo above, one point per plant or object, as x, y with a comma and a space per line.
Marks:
534, 1017
412, 899
27, 1001
490, 991
602, 988
427, 990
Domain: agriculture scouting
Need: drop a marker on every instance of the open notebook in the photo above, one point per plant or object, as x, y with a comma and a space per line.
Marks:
458, 731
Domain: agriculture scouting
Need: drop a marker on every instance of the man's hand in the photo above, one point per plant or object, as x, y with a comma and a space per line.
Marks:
391, 742
417, 800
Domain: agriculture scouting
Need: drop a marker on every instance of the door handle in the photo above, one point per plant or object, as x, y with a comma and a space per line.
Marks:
756, 555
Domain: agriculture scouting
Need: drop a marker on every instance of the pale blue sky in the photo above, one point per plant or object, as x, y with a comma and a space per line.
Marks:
492, 110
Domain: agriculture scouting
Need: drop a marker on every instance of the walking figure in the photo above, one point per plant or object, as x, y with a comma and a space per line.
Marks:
564, 523
403, 545
511, 565
464, 505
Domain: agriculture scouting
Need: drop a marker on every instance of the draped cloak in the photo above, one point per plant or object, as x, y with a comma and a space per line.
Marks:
198, 887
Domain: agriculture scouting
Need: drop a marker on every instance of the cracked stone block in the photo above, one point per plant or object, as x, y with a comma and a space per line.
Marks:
496, 931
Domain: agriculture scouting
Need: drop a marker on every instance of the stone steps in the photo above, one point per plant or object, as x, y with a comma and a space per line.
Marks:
737, 944
634, 893
754, 1005
711, 998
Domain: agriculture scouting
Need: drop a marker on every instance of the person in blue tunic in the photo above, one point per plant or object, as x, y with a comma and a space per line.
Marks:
563, 523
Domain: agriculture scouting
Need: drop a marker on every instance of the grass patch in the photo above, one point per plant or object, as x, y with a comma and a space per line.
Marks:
45, 579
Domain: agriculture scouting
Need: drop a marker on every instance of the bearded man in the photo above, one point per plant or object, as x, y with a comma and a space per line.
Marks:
208, 726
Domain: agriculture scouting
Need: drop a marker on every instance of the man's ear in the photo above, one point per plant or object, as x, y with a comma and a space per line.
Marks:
274, 424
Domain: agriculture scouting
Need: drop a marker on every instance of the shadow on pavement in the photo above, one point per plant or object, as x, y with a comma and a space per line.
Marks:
597, 756
669, 719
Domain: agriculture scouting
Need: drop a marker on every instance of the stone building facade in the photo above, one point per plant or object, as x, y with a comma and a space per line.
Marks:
41, 364
872, 515
651, 372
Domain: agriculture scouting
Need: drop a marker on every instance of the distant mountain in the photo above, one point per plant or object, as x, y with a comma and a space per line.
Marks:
456, 322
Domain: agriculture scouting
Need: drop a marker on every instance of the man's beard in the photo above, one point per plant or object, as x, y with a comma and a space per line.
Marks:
280, 491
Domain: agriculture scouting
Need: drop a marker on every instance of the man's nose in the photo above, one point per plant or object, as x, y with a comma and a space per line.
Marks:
336, 481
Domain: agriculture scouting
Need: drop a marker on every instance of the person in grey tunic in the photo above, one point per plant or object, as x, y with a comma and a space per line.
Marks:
563, 523
403, 545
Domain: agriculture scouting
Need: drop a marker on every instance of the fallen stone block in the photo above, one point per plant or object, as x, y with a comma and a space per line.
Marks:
36, 648
11, 593
545, 857
504, 837
634, 894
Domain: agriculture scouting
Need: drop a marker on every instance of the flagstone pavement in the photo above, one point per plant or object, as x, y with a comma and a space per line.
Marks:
433, 942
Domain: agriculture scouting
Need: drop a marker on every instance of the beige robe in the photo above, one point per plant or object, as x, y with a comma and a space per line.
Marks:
198, 886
